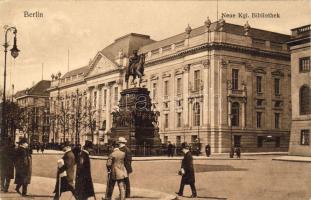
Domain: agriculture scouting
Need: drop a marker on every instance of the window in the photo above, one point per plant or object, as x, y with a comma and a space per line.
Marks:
277, 141
235, 110
277, 120
237, 140
165, 88
277, 104
95, 98
165, 120
196, 114
73, 103
194, 138
197, 80
154, 90
258, 84
178, 119
235, 79
116, 95
165, 104
304, 64
258, 119
105, 97
259, 102
305, 100
178, 140
165, 139
260, 140
305, 137
277, 86
179, 88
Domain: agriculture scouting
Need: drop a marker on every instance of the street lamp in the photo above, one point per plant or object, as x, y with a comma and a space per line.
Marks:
14, 54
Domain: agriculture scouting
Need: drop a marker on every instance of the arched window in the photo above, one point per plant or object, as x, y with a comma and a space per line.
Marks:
196, 114
235, 110
305, 100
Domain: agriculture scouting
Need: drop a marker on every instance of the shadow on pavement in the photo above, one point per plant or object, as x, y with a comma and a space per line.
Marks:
212, 168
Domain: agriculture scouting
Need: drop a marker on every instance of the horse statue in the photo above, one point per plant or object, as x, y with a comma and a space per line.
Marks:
135, 69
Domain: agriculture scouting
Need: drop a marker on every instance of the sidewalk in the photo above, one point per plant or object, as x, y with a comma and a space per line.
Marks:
41, 188
216, 156
293, 158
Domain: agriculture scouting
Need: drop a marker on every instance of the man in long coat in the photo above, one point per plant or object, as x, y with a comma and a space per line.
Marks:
187, 172
115, 166
84, 184
7, 164
65, 173
127, 163
23, 166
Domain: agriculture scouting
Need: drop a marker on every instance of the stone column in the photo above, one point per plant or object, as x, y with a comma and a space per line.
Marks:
108, 108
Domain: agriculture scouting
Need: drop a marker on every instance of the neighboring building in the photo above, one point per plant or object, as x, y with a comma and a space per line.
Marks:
197, 80
301, 91
34, 103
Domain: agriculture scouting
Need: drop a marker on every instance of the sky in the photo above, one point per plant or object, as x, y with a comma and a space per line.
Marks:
85, 27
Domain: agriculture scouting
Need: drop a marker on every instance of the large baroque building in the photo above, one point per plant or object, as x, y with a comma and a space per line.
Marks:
34, 104
220, 83
301, 91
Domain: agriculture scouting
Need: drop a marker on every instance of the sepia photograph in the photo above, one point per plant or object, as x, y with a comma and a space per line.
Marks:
155, 100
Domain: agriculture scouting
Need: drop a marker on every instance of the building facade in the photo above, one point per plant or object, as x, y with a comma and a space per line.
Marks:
301, 92
34, 104
219, 84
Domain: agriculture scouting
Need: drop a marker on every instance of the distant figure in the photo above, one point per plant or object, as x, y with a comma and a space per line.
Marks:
38, 147
84, 184
127, 163
23, 167
170, 149
208, 150
7, 164
116, 167
65, 173
231, 154
187, 172
238, 152
42, 147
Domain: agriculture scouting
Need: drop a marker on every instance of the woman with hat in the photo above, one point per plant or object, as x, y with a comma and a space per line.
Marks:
84, 184
187, 172
23, 167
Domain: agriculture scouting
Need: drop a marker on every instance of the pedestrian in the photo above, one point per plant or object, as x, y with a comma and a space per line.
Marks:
238, 152
84, 184
7, 164
65, 173
42, 148
38, 147
169, 149
208, 150
128, 164
231, 154
23, 167
115, 166
187, 172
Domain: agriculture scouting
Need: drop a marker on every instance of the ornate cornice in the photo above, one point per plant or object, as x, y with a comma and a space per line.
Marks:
219, 46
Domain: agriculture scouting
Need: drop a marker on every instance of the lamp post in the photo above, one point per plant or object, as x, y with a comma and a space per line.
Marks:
14, 54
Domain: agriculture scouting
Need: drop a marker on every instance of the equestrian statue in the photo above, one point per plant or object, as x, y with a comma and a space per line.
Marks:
135, 68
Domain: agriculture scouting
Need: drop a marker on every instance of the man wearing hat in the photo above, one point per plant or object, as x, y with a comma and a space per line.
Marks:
65, 173
187, 172
23, 167
128, 164
7, 155
115, 166
84, 183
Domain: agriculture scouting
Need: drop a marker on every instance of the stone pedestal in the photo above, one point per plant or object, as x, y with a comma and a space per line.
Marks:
135, 120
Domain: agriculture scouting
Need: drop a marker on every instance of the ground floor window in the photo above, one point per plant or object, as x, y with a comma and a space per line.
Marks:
178, 140
277, 141
165, 139
305, 137
260, 140
194, 138
237, 141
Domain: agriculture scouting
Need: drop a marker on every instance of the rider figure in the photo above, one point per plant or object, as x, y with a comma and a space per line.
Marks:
132, 60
